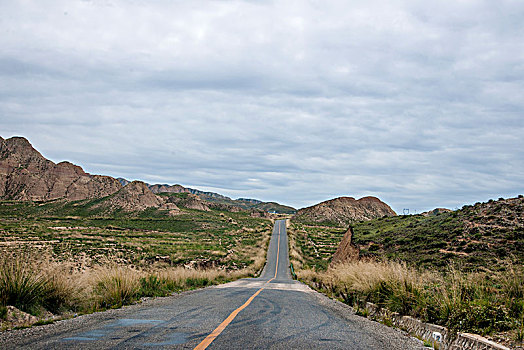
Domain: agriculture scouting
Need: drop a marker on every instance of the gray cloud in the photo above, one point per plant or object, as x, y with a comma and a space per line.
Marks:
419, 104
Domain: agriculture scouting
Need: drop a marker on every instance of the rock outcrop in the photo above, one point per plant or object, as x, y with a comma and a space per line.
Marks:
345, 210
346, 251
135, 196
190, 201
168, 189
436, 211
26, 175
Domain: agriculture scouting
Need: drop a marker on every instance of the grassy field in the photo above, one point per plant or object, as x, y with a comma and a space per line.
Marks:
316, 244
112, 259
68, 231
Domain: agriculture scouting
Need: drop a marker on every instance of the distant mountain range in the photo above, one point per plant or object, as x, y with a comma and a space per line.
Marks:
215, 198
26, 175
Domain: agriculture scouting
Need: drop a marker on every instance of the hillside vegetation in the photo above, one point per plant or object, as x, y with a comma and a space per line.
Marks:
475, 237
461, 269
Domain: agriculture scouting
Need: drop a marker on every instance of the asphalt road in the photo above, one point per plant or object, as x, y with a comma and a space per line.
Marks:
270, 312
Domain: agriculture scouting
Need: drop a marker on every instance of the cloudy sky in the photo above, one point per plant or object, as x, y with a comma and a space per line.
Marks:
418, 103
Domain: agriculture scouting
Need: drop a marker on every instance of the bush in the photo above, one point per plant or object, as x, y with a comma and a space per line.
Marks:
154, 286
116, 287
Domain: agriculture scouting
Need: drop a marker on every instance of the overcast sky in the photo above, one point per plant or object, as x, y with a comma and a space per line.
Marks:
418, 103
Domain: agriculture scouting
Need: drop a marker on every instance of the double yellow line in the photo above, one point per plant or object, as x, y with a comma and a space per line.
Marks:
212, 336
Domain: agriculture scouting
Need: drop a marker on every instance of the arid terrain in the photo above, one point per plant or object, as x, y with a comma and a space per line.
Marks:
74, 243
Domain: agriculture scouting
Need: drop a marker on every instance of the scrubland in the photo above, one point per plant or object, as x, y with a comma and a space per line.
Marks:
54, 264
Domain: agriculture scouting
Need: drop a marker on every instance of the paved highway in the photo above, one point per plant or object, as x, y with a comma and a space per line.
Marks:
270, 312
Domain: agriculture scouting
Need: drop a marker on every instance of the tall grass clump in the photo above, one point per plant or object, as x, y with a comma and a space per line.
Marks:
33, 285
115, 286
3, 312
65, 292
472, 302
393, 285
21, 285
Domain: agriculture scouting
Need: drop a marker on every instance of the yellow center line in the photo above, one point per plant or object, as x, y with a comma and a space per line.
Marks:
212, 336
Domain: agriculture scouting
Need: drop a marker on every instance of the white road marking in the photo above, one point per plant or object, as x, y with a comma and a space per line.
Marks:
295, 286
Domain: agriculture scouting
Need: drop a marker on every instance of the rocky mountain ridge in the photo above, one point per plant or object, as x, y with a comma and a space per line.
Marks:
218, 201
26, 175
344, 210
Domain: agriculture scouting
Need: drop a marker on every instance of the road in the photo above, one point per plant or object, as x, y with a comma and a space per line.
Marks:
270, 312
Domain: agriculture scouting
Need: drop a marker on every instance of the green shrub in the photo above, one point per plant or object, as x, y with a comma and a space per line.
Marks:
195, 282
154, 286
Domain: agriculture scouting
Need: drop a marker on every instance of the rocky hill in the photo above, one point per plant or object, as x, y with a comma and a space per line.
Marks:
168, 189
218, 201
484, 234
343, 211
26, 175
135, 196
186, 200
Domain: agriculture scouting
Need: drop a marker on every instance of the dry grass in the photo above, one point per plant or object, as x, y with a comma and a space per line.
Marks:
483, 302
32, 281
295, 254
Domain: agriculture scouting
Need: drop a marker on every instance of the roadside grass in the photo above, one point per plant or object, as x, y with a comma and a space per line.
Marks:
488, 300
39, 286
482, 303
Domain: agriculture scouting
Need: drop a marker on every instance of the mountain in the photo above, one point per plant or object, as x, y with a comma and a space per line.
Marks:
344, 210
221, 202
26, 175
168, 189
123, 181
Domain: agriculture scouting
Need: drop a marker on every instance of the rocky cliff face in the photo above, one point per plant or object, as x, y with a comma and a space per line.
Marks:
135, 196
26, 175
346, 251
344, 210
